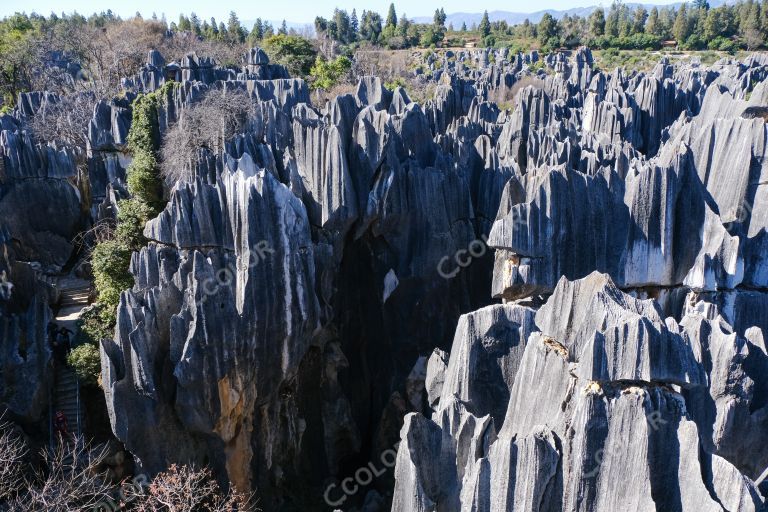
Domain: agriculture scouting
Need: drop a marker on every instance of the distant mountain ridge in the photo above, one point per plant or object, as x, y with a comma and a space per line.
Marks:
514, 18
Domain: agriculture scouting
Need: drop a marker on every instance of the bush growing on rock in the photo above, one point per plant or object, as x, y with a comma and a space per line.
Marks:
207, 124
111, 257
94, 324
131, 217
326, 74
84, 359
295, 53
110, 261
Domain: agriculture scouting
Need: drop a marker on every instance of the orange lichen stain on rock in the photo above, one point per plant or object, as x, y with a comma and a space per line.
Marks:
634, 390
234, 427
510, 264
553, 344
593, 388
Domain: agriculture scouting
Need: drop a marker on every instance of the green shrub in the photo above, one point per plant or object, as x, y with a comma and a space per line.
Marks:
143, 178
294, 52
132, 215
327, 73
723, 44
394, 84
94, 325
144, 134
110, 260
85, 360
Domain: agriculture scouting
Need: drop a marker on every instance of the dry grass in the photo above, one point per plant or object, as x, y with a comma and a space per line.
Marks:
320, 97
506, 97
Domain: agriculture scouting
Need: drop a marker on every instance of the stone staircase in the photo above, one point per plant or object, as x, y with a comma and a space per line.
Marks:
66, 398
76, 296
73, 297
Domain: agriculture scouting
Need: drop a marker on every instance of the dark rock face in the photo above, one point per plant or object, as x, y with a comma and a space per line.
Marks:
315, 249
607, 404
324, 285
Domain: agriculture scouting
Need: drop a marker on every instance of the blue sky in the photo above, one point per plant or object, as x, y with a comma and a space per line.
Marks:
299, 11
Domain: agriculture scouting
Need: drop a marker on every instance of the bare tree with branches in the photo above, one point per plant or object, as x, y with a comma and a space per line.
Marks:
65, 121
185, 488
73, 478
13, 452
206, 124
70, 478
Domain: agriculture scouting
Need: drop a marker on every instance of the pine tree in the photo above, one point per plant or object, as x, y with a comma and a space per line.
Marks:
625, 22
391, 17
257, 33
283, 28
652, 25
597, 23
701, 4
343, 26
639, 20
612, 21
750, 26
463, 26
234, 29
439, 18
485, 25
354, 24
546, 29
195, 21
681, 30
184, 24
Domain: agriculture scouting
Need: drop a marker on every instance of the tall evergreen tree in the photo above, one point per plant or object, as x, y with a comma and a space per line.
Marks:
184, 24
596, 23
234, 28
343, 26
283, 28
195, 22
612, 21
625, 21
354, 23
439, 18
403, 26
485, 25
681, 30
257, 33
700, 4
391, 17
639, 19
652, 25
546, 29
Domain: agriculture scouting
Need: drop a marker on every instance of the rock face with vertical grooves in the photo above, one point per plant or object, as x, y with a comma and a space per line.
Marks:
548, 282
640, 383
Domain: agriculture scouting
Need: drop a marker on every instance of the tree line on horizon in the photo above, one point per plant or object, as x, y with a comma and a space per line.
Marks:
691, 26
36, 49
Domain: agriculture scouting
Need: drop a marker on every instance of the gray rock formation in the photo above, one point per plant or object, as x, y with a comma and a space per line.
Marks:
639, 387
549, 286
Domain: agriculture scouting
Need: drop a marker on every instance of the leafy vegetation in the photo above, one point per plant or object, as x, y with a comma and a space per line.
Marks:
294, 52
325, 74
86, 362
111, 258
695, 26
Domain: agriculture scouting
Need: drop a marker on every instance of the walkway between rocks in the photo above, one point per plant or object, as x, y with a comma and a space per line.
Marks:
73, 297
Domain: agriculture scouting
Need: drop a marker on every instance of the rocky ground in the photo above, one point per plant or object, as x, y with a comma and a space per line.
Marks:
544, 288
